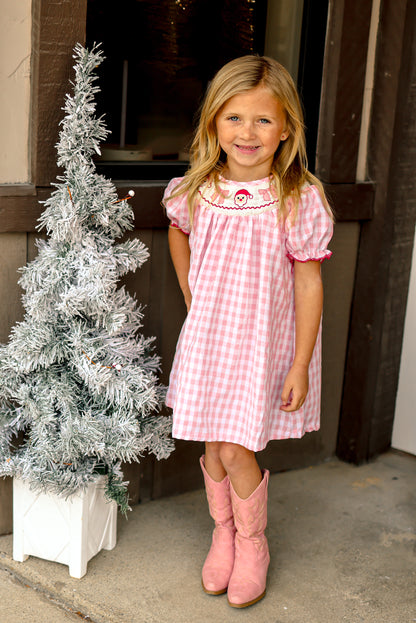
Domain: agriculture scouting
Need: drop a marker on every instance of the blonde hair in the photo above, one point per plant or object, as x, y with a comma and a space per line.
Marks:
289, 171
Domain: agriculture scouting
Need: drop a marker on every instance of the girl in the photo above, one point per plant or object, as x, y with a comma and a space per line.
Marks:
249, 228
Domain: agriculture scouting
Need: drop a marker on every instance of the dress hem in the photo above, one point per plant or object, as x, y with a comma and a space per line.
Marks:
251, 447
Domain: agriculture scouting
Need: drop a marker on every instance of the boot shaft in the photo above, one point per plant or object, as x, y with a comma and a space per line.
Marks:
250, 514
247, 584
218, 496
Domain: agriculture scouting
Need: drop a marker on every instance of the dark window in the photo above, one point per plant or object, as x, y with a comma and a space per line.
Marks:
159, 59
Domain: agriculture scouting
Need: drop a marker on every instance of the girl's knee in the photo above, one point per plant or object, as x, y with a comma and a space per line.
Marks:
212, 449
234, 456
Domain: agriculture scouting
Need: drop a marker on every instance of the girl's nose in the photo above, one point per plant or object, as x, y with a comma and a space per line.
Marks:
247, 131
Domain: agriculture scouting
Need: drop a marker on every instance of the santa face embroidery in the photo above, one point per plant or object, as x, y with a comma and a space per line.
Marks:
241, 197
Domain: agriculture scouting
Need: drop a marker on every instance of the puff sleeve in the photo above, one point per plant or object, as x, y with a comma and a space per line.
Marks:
307, 238
177, 208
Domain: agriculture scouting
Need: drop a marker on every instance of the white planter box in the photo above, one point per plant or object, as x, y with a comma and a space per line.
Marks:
68, 531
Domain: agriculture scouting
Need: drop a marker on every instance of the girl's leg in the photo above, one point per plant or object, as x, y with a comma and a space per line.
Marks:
213, 463
247, 511
248, 489
242, 468
219, 563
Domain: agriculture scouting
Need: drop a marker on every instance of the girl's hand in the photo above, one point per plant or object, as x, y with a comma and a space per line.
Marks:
295, 388
308, 309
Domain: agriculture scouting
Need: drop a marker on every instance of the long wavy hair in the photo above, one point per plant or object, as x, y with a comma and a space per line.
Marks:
289, 171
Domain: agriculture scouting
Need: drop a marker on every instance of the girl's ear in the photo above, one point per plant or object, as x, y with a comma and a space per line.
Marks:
284, 135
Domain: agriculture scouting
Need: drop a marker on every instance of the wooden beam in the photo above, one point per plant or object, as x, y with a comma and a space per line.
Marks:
351, 202
386, 243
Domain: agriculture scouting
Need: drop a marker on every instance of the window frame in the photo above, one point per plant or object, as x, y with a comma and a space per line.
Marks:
56, 28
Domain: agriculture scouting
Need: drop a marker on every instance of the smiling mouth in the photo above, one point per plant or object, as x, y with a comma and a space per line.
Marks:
248, 148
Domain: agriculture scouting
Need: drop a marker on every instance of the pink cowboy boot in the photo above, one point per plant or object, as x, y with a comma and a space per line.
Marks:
247, 584
220, 560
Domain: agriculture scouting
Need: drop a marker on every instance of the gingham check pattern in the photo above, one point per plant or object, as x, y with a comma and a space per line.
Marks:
237, 343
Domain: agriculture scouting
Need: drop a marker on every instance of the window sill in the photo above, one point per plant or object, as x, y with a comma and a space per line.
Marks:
17, 190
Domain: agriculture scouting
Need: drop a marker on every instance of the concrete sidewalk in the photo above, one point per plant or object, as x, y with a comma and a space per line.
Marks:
342, 542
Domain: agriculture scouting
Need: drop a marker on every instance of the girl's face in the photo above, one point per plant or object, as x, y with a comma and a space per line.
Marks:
250, 127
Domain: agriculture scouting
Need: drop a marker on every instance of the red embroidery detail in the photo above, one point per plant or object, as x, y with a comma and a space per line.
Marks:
216, 205
241, 197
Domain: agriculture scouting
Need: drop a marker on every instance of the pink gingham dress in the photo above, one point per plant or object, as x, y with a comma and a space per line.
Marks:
237, 343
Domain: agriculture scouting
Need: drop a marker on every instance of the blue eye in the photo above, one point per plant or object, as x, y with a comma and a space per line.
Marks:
264, 121
233, 118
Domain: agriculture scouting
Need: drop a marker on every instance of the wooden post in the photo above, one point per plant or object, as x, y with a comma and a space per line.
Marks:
385, 250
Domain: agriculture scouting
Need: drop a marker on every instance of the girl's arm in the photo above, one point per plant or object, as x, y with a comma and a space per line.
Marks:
181, 254
308, 310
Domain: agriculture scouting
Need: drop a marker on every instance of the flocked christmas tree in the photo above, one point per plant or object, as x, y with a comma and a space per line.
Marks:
77, 379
